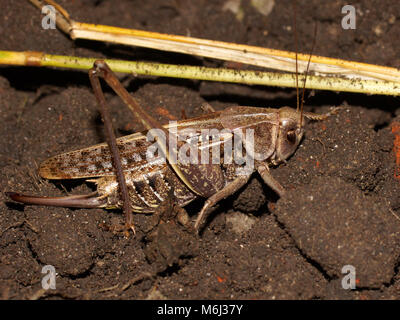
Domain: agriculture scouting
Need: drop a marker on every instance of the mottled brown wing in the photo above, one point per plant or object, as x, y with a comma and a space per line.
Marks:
96, 161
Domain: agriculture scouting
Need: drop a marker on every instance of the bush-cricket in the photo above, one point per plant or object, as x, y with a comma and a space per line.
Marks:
126, 177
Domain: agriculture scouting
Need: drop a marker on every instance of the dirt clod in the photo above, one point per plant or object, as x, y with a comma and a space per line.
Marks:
335, 224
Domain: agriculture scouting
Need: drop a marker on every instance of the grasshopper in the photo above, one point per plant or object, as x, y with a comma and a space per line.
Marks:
148, 182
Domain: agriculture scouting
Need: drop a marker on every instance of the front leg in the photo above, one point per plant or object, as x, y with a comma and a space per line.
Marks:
269, 180
229, 189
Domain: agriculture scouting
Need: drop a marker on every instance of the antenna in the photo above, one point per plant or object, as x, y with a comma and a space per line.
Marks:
305, 76
297, 67
297, 50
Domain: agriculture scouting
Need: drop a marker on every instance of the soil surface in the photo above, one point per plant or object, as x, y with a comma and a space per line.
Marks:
343, 201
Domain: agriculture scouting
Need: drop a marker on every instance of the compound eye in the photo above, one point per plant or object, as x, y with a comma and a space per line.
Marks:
291, 136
